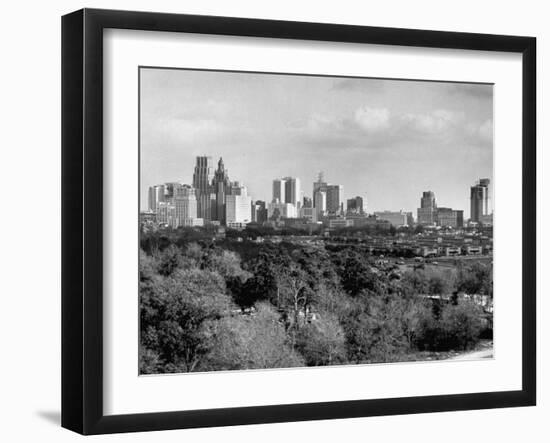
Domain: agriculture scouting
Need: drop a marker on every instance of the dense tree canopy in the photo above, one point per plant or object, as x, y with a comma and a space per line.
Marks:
228, 305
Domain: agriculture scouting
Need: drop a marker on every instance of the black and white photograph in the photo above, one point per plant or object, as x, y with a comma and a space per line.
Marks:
300, 220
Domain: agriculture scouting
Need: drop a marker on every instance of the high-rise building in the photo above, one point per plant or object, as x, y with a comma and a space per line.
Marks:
156, 195
293, 193
307, 202
479, 200
202, 180
320, 184
320, 203
287, 190
355, 205
221, 188
335, 199
279, 191
427, 213
185, 203
238, 208
334, 196
259, 212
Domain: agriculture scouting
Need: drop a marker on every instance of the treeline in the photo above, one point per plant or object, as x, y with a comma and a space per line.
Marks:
204, 307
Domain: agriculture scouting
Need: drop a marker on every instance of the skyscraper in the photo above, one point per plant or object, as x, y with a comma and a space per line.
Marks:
334, 195
292, 191
355, 205
335, 199
156, 195
479, 200
238, 208
279, 191
427, 213
320, 184
320, 203
185, 203
221, 187
202, 179
259, 212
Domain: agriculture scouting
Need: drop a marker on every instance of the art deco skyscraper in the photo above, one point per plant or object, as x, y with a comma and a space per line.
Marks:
202, 179
221, 187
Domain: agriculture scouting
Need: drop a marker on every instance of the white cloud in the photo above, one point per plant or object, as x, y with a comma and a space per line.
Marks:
435, 122
372, 119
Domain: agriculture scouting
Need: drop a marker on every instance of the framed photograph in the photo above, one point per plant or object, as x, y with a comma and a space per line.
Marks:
268, 221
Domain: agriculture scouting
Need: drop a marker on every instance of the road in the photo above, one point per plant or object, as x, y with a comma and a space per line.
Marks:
475, 355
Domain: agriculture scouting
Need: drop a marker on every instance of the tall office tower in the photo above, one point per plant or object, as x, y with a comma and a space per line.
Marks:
185, 202
221, 188
260, 212
334, 195
320, 184
202, 179
279, 189
479, 200
238, 208
156, 195
320, 203
335, 199
355, 205
292, 191
427, 213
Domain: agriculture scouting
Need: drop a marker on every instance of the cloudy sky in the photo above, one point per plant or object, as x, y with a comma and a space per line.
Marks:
385, 140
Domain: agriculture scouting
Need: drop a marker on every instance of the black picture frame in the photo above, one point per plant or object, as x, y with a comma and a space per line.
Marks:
82, 215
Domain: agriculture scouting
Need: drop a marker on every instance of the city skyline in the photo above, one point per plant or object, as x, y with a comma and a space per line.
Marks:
185, 114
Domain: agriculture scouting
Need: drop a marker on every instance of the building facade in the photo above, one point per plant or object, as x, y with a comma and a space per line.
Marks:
281, 210
479, 200
166, 214
427, 213
355, 205
279, 191
320, 203
156, 195
451, 218
202, 180
396, 218
238, 208
185, 203
221, 188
